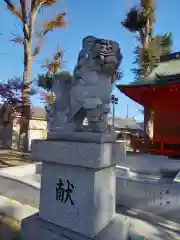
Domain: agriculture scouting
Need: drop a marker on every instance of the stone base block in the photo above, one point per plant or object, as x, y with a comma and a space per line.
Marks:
82, 136
83, 154
35, 228
91, 205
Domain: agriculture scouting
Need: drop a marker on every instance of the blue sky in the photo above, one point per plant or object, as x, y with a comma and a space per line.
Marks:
100, 18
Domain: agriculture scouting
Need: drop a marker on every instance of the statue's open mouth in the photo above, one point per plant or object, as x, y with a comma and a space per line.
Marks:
109, 59
110, 62
103, 55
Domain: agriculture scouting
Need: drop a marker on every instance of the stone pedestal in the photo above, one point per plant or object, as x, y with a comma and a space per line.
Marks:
77, 189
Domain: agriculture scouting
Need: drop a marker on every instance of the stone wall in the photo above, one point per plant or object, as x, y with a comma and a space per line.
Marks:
154, 197
15, 184
147, 195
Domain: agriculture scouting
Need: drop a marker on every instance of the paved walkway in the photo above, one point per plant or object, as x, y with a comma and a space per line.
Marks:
150, 226
10, 158
149, 162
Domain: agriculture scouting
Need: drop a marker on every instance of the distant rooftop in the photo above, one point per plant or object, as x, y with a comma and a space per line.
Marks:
119, 122
124, 123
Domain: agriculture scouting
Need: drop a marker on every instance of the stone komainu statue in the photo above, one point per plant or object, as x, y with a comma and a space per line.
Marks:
87, 94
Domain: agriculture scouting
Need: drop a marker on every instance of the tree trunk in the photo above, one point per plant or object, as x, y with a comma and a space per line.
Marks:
148, 124
24, 123
148, 114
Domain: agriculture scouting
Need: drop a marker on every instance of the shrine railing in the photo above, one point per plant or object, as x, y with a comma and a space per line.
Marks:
156, 147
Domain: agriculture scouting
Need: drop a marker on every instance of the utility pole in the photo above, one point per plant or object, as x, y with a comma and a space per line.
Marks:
127, 111
114, 100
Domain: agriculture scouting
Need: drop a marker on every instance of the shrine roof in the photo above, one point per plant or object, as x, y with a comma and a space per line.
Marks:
162, 84
167, 71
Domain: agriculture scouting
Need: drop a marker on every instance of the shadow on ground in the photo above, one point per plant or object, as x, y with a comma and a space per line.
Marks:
147, 225
151, 226
12, 158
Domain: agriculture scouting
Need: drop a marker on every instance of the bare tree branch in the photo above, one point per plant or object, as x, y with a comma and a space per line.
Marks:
13, 9
33, 15
55, 64
24, 19
33, 4
47, 3
17, 39
38, 46
23, 10
37, 4
58, 22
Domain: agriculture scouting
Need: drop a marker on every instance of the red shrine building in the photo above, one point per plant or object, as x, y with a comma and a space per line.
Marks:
160, 92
